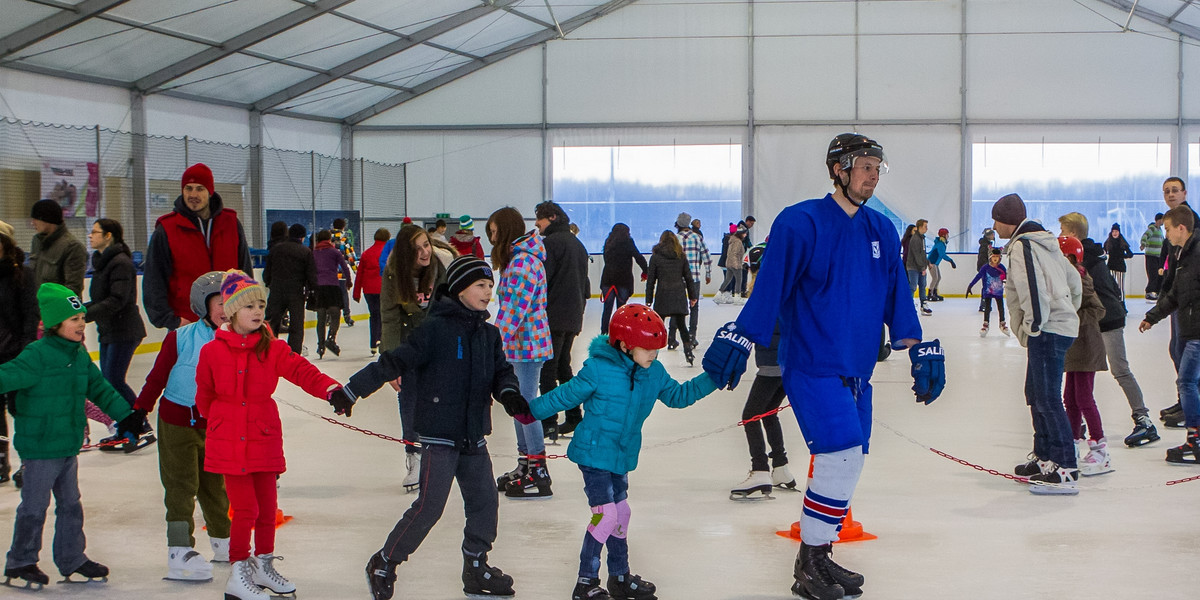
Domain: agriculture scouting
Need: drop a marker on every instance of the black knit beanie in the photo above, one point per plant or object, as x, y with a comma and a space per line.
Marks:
48, 211
464, 271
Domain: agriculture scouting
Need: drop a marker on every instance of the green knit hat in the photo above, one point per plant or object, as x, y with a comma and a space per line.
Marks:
466, 223
58, 303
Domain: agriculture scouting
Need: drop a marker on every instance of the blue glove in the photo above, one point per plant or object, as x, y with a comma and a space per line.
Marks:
725, 359
928, 370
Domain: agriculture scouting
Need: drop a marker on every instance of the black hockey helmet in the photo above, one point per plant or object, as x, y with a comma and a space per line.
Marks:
848, 146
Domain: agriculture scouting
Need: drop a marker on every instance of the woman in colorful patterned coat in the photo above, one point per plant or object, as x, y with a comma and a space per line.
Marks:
521, 317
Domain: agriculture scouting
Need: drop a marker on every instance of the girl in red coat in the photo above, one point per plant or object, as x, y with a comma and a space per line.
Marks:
236, 375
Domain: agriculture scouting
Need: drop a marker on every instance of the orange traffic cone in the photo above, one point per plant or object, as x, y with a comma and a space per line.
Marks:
851, 531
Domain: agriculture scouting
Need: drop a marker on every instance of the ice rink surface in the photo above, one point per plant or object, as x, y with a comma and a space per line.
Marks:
945, 530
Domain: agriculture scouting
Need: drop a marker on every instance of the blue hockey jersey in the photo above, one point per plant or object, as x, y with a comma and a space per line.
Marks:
834, 281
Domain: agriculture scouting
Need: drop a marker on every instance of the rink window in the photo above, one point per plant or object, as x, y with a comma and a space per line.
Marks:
646, 187
1107, 182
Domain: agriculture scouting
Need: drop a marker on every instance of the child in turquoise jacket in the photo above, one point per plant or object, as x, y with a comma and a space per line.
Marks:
606, 443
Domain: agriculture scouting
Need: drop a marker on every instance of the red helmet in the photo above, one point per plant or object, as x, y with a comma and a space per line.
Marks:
638, 326
1071, 247
943, 232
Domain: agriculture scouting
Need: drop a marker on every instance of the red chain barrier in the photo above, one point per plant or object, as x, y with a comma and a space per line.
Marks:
960, 461
762, 416
1185, 480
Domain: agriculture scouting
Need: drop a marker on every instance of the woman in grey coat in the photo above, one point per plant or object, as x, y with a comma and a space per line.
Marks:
669, 272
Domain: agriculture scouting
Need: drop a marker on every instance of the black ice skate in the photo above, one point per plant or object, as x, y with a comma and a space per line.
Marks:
1144, 432
513, 475
91, 569
1188, 453
570, 422
116, 443
782, 478
18, 477
381, 577
1177, 407
33, 577
331, 345
480, 579
1029, 468
630, 587
535, 483
813, 577
588, 588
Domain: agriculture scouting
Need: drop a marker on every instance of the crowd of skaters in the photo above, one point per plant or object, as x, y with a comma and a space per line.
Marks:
199, 280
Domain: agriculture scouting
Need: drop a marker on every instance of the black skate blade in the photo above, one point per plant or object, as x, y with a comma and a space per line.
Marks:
484, 595
789, 486
142, 442
1183, 463
30, 586
68, 579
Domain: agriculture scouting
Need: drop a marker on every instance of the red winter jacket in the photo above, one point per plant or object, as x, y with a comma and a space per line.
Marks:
233, 391
368, 280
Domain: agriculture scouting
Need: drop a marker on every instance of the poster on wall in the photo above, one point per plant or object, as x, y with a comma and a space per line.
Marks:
74, 185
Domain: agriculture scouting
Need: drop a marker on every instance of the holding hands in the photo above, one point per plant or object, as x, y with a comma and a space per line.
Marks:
516, 406
725, 359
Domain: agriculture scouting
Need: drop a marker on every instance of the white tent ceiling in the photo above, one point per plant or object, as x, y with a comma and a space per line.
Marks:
334, 60
338, 60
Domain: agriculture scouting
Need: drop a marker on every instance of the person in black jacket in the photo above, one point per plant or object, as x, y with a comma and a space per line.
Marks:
1112, 327
18, 321
671, 277
566, 295
453, 415
289, 273
279, 232
1118, 250
114, 309
1183, 300
1174, 195
616, 280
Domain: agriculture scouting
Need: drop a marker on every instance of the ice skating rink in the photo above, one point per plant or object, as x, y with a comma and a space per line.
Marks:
945, 530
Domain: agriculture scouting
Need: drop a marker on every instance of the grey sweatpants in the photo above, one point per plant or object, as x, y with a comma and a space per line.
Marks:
59, 476
1118, 365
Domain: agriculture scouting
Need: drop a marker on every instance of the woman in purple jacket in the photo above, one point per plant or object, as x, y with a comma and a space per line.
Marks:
328, 299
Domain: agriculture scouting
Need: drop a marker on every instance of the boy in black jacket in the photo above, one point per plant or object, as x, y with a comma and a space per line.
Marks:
453, 414
1183, 298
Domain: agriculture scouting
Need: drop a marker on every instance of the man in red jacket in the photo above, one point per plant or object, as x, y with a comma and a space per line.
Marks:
199, 236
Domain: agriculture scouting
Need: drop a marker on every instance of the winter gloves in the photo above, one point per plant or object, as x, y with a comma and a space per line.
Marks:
132, 426
928, 370
725, 359
516, 406
342, 401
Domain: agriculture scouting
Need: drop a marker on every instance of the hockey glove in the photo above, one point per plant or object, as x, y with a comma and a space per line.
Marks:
928, 370
725, 359
132, 426
342, 401
516, 406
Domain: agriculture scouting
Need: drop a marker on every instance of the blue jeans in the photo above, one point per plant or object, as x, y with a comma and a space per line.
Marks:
530, 438
114, 364
43, 477
916, 283
1043, 392
1188, 382
603, 487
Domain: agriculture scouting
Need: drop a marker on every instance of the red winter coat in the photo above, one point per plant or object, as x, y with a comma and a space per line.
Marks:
368, 280
233, 391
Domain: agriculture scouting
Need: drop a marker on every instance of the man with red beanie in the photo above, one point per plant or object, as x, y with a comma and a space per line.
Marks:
199, 236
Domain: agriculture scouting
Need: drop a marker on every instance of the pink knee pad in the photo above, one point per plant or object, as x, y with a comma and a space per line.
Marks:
622, 528
604, 521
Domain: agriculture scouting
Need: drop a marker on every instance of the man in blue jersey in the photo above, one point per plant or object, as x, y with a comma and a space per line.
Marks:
832, 274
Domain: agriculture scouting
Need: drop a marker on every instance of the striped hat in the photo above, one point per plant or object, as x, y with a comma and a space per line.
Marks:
238, 290
466, 223
464, 271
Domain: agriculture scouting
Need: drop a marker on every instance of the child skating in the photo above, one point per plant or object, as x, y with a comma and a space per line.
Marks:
607, 442
1084, 358
453, 365
235, 378
993, 275
181, 433
52, 377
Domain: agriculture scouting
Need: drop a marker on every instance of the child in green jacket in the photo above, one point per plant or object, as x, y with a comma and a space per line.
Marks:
53, 377
607, 442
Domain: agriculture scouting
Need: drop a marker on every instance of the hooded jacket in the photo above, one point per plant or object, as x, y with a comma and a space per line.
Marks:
233, 391
566, 277
1105, 286
617, 396
1087, 354
1043, 291
59, 258
1184, 296
114, 298
669, 283
466, 243
618, 265
521, 298
53, 377
368, 281
184, 247
453, 365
